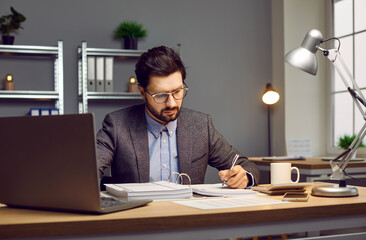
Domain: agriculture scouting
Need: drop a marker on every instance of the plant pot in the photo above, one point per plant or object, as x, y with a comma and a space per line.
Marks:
8, 40
130, 43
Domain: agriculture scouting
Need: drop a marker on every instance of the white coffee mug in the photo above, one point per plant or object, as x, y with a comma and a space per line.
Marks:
281, 173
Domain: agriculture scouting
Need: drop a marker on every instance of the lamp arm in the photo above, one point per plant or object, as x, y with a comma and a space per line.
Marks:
338, 167
354, 95
335, 57
339, 164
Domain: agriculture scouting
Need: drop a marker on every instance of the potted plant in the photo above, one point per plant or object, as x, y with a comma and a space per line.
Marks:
10, 23
345, 141
130, 31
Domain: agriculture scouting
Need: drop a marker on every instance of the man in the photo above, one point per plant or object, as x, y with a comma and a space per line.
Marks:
148, 142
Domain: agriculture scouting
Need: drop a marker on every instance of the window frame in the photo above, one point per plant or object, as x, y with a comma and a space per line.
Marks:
332, 148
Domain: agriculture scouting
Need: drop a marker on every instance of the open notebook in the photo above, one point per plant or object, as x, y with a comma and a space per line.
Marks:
169, 190
217, 190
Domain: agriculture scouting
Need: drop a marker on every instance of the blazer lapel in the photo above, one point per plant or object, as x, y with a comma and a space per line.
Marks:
138, 131
184, 143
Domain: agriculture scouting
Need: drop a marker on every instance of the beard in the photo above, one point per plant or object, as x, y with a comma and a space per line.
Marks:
165, 118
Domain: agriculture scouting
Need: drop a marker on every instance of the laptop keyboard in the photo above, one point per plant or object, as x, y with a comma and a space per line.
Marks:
106, 202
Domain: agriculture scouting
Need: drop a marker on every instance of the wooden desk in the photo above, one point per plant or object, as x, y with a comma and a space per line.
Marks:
167, 220
314, 169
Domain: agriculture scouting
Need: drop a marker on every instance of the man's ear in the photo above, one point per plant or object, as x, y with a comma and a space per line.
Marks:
142, 91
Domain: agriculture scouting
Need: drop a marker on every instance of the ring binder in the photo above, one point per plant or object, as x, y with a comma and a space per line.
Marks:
180, 176
150, 190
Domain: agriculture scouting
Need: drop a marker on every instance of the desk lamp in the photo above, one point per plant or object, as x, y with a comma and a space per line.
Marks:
305, 59
270, 97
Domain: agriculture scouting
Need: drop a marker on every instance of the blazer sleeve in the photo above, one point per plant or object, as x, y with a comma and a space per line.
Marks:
106, 138
221, 153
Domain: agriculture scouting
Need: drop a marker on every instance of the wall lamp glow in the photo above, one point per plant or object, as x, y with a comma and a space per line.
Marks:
270, 96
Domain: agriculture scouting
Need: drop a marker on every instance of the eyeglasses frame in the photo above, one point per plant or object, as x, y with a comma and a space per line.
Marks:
169, 93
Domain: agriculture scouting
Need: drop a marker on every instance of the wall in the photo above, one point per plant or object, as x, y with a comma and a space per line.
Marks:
304, 112
278, 72
226, 46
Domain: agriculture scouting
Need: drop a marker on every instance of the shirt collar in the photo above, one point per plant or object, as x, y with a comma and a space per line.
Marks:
156, 128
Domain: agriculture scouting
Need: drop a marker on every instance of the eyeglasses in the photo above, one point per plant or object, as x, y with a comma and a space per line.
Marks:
163, 96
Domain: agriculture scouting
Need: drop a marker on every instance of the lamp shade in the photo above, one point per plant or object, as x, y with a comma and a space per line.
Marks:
270, 96
304, 57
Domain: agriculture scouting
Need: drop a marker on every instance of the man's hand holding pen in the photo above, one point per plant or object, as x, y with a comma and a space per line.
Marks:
236, 177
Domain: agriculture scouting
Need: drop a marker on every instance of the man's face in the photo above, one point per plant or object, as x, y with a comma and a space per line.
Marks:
169, 110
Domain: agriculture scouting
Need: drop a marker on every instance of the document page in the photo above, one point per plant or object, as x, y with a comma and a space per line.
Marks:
220, 203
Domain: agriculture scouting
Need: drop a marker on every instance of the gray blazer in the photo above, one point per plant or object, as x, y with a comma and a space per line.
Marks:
122, 144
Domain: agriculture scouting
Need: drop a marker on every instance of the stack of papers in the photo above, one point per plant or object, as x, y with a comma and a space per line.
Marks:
283, 158
154, 190
332, 158
217, 190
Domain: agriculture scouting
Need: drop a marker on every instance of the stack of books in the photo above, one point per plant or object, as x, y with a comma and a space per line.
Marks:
43, 111
278, 189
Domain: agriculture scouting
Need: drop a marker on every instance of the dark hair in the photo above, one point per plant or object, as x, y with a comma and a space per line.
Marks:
158, 61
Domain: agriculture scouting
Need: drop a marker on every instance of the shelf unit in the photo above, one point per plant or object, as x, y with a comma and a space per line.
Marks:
84, 94
27, 50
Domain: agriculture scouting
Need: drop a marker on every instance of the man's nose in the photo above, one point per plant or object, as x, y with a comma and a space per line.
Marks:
170, 101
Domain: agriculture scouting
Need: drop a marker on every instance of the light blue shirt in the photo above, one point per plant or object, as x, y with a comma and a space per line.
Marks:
162, 149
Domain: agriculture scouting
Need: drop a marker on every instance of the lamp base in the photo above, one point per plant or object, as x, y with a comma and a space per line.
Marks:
334, 191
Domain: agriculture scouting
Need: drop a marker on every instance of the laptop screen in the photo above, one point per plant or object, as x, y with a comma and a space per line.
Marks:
49, 162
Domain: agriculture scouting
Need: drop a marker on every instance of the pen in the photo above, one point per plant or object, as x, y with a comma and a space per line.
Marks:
232, 165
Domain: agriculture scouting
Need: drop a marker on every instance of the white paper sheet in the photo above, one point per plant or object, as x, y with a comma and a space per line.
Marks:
220, 203
298, 147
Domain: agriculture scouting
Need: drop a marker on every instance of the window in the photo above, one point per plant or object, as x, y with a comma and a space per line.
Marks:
349, 25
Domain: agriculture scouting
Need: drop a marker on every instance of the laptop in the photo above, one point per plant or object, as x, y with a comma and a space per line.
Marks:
49, 162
